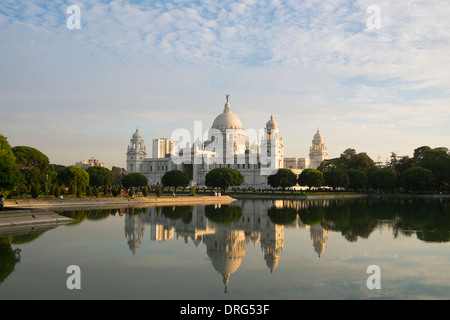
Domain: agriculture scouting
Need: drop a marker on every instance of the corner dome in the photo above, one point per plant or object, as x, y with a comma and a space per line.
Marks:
137, 135
318, 136
227, 119
272, 124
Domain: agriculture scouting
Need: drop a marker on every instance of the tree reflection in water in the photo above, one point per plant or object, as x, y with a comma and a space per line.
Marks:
226, 230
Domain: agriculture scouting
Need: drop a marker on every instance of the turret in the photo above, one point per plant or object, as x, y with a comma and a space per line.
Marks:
136, 153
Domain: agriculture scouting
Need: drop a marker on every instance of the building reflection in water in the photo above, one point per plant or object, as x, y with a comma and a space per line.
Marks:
226, 243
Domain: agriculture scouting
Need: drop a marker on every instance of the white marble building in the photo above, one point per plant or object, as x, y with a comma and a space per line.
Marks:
256, 154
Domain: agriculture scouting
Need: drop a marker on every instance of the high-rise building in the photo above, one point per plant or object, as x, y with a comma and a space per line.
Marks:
162, 147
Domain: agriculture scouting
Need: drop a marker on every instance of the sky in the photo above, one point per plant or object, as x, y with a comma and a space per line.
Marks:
372, 75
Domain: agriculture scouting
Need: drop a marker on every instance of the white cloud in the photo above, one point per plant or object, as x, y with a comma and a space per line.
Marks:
308, 61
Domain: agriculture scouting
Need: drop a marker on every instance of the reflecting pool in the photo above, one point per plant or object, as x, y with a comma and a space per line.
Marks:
250, 249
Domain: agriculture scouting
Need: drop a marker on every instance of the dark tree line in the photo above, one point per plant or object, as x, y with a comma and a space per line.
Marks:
427, 171
27, 171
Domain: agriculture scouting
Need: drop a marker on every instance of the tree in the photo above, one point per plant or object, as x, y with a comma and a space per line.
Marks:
134, 179
357, 180
223, 178
284, 178
75, 178
158, 191
175, 178
10, 175
418, 153
311, 178
329, 164
100, 176
35, 167
224, 214
349, 159
400, 164
438, 161
118, 173
383, 179
282, 216
417, 179
336, 178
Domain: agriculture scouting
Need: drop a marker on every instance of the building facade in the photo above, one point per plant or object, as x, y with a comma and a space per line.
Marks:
85, 164
255, 154
162, 147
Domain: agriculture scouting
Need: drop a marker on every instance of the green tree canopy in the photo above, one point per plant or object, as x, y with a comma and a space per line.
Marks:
314, 214
35, 167
10, 175
100, 176
224, 214
311, 178
329, 164
118, 173
284, 178
175, 178
357, 180
383, 179
336, 178
75, 178
282, 216
223, 178
134, 179
400, 164
438, 161
349, 159
177, 212
28, 158
417, 179
418, 153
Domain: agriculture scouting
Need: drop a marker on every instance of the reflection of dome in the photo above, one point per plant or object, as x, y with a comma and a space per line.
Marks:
272, 262
227, 120
226, 251
271, 124
319, 235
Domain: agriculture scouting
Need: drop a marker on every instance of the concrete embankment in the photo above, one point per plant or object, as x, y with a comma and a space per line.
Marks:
21, 216
119, 202
23, 221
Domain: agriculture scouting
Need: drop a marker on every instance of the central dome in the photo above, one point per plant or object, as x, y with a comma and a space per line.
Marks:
227, 119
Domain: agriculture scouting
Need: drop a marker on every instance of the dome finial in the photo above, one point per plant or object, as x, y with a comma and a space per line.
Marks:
227, 104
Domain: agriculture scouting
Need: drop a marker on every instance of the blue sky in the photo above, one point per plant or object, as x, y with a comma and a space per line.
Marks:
161, 65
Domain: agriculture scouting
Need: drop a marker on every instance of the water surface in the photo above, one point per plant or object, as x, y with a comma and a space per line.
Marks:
251, 249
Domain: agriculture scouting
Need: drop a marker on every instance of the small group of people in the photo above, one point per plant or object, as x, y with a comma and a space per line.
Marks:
217, 194
2, 202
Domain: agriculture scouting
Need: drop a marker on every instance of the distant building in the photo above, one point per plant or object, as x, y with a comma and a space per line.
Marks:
317, 153
85, 164
162, 148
